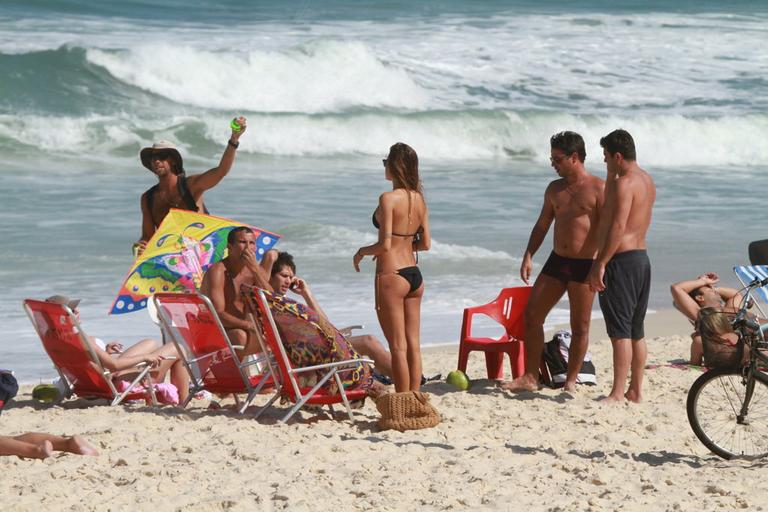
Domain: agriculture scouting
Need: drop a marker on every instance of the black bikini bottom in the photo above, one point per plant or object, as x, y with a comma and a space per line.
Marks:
412, 275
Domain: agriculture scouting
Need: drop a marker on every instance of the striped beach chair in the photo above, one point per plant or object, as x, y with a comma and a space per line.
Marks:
748, 273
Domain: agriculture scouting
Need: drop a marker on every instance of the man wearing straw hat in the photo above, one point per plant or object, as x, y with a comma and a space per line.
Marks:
174, 188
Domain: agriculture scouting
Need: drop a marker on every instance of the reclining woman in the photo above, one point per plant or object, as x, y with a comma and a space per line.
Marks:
123, 362
691, 297
307, 334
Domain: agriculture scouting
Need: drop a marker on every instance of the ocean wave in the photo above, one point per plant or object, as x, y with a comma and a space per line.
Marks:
318, 76
325, 241
442, 62
662, 140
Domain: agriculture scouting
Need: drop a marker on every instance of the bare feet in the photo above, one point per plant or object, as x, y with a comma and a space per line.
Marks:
80, 446
569, 387
45, 450
612, 399
522, 383
633, 396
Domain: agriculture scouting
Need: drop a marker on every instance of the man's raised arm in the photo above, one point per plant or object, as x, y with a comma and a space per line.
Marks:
199, 183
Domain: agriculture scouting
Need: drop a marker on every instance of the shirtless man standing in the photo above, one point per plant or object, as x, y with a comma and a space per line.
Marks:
622, 270
221, 283
174, 188
573, 202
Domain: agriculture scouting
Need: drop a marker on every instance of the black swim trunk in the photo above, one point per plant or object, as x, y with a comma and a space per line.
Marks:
625, 298
567, 269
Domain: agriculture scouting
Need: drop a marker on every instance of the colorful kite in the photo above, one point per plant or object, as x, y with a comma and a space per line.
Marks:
184, 246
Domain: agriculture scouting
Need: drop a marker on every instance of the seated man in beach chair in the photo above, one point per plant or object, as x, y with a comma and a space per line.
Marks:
115, 358
36, 445
283, 278
222, 282
689, 297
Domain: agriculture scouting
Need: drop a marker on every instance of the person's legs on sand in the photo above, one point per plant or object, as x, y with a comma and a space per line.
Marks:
74, 444
21, 448
580, 298
639, 357
412, 335
547, 291
392, 289
622, 359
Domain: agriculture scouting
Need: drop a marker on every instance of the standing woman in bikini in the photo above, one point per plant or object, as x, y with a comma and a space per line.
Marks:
403, 224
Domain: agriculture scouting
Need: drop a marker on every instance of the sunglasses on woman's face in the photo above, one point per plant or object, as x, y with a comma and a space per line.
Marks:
384, 161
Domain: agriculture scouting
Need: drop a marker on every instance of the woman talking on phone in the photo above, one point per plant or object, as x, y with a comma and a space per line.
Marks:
403, 224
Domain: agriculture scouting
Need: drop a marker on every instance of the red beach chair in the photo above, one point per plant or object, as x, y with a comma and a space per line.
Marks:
507, 309
190, 320
261, 315
77, 363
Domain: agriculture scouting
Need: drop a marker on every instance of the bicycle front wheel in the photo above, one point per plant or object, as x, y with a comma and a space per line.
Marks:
714, 408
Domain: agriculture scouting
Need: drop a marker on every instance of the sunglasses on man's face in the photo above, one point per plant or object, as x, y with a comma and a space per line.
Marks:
161, 155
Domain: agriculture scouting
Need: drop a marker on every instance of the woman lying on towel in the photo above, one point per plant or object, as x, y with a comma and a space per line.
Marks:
307, 335
115, 358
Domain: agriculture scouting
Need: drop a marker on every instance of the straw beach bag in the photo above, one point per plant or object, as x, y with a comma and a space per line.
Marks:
408, 410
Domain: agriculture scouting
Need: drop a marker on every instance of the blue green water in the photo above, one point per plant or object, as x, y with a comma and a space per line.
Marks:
476, 88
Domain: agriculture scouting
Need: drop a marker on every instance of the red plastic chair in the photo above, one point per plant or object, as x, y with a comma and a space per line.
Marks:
507, 309
286, 373
78, 365
190, 320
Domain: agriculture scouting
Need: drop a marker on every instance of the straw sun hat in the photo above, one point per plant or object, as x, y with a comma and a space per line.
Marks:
164, 146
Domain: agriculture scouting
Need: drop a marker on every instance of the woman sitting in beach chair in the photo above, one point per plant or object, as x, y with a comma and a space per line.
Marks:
690, 297
115, 358
307, 334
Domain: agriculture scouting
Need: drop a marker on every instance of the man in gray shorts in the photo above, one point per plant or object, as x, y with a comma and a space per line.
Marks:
622, 271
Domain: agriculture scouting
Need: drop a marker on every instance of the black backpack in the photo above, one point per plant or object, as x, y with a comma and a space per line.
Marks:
556, 362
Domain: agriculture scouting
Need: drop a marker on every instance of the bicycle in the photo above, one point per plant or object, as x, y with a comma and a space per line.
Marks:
728, 407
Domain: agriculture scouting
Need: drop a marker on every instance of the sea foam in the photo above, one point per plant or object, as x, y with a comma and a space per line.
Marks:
323, 76
662, 140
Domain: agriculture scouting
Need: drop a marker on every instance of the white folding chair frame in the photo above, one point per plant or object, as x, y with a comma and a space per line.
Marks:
106, 374
192, 364
333, 368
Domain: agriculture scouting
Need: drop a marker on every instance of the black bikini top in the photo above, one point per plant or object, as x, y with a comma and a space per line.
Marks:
377, 226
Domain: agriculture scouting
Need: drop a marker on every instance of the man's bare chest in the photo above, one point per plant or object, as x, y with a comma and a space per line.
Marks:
573, 204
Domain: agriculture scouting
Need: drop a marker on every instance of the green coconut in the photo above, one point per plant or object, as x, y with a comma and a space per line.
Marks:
47, 393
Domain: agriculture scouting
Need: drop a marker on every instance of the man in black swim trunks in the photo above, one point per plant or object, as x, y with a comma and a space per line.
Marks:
175, 189
622, 271
573, 202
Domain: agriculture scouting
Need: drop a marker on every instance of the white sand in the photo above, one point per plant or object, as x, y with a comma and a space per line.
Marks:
493, 451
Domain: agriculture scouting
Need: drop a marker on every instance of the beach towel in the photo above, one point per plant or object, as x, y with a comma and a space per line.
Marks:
165, 392
309, 339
